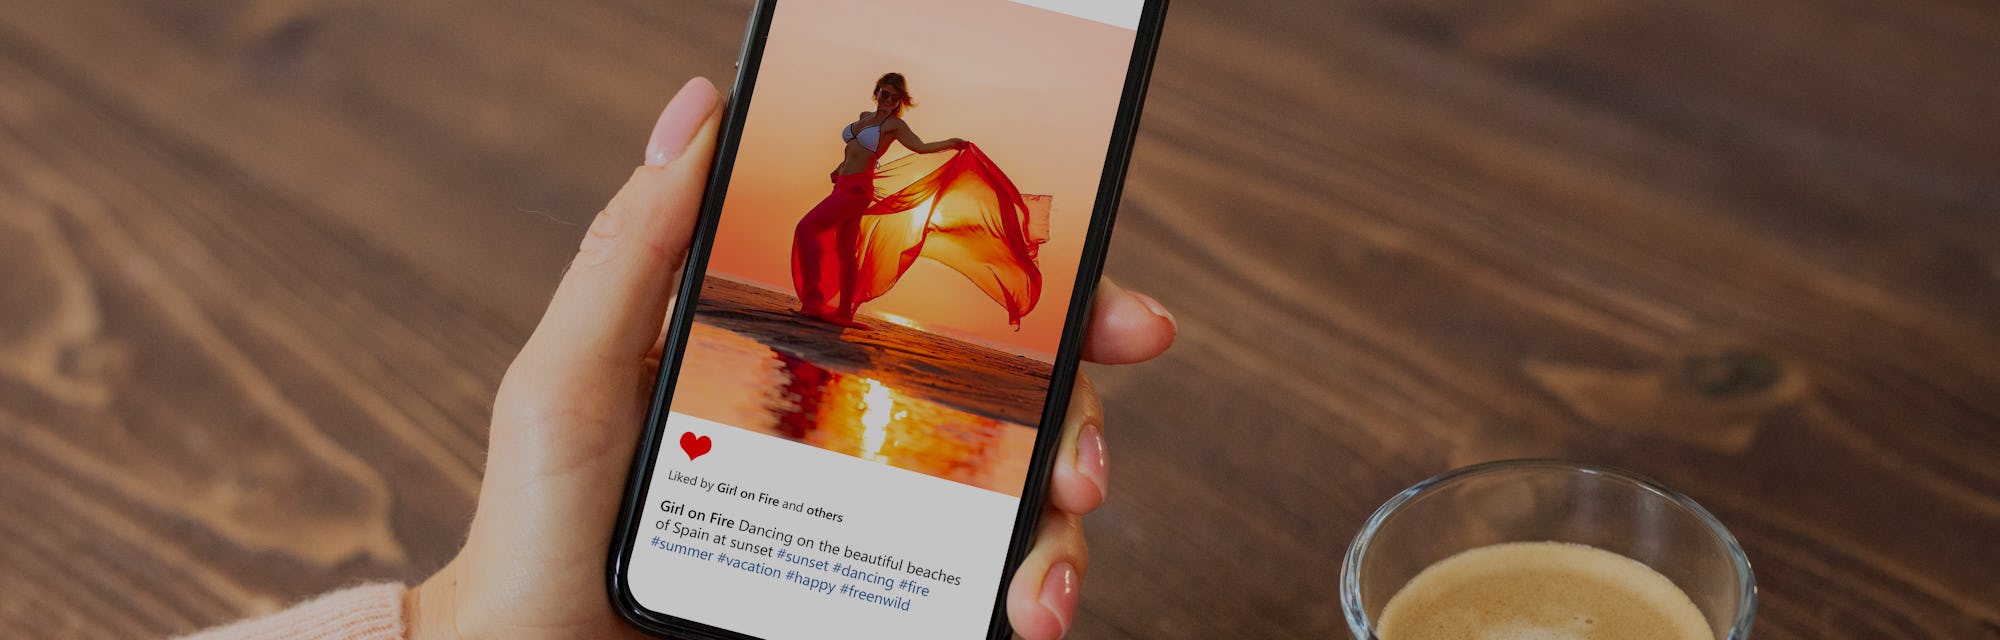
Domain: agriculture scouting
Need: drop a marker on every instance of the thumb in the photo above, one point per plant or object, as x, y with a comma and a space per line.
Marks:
589, 351
566, 418
611, 301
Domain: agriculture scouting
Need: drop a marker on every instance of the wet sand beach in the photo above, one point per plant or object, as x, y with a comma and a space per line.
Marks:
888, 393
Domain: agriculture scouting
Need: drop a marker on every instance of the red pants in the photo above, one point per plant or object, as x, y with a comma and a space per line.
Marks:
826, 247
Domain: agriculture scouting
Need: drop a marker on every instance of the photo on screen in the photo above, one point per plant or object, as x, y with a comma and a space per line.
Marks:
903, 305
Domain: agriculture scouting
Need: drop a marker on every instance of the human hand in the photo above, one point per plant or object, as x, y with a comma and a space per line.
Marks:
568, 414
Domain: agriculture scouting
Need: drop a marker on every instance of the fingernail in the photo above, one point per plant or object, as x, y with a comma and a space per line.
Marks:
1059, 593
1090, 459
678, 122
1157, 309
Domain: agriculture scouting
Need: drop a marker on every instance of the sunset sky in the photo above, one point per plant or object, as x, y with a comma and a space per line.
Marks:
1036, 90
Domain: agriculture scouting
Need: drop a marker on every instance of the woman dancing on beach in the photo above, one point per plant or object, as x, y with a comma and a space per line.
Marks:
855, 244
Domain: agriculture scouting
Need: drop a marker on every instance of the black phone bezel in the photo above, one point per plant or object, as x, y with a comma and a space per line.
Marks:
1118, 155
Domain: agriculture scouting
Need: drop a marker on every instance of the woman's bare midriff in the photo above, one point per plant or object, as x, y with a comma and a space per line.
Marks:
859, 159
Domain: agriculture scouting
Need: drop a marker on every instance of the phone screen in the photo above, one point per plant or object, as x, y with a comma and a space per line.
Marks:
849, 437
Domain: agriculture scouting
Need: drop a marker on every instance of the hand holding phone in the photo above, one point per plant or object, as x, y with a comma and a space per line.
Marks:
562, 428
861, 393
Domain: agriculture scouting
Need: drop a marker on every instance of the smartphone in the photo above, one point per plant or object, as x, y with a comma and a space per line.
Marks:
878, 325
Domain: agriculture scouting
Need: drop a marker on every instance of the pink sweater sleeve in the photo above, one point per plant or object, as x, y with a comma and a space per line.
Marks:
367, 612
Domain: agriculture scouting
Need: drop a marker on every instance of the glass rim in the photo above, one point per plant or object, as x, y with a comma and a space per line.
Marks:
1350, 572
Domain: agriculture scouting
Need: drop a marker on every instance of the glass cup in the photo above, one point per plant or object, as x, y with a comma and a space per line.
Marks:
1548, 500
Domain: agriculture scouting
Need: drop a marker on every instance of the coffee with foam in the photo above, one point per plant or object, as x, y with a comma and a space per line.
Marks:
1541, 591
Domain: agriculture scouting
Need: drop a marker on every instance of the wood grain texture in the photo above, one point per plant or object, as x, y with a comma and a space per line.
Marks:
262, 263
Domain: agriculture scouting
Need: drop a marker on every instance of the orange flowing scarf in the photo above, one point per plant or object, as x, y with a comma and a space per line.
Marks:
961, 211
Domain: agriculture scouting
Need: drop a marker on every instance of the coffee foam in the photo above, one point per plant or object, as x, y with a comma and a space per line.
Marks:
1541, 591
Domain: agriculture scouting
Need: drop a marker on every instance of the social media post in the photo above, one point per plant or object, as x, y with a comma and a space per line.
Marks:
855, 414
760, 535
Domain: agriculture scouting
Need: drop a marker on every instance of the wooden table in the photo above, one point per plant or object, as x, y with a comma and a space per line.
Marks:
263, 263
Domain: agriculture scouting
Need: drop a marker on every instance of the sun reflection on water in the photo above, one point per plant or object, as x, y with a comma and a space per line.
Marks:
876, 411
898, 319
746, 384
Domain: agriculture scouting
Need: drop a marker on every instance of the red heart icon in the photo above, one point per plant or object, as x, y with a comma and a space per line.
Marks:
695, 445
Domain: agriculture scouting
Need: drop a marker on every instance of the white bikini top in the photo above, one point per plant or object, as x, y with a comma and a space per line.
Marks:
871, 136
